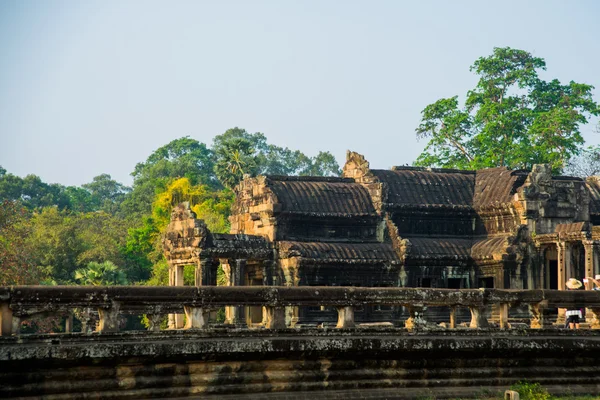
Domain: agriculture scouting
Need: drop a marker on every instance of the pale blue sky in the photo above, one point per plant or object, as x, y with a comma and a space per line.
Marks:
92, 87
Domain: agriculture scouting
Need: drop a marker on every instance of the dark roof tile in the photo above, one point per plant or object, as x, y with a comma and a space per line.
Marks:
339, 252
323, 197
414, 186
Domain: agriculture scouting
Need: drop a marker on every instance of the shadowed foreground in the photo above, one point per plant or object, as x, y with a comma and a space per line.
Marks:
291, 363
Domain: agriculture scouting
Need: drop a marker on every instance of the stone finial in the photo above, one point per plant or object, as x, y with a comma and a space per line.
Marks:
182, 211
356, 165
184, 233
541, 174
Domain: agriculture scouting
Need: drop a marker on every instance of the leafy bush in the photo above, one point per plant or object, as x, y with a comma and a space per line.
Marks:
530, 391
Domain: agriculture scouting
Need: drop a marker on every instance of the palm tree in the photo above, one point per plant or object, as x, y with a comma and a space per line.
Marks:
100, 274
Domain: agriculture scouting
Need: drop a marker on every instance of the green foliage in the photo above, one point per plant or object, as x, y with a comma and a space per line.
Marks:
160, 274
530, 391
511, 118
59, 230
16, 262
140, 251
235, 158
238, 153
100, 274
62, 241
182, 157
32, 192
106, 194
55, 243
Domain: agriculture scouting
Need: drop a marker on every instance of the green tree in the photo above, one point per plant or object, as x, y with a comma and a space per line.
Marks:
106, 193
210, 205
511, 118
100, 274
54, 242
235, 158
17, 265
184, 157
61, 241
31, 191
80, 199
238, 152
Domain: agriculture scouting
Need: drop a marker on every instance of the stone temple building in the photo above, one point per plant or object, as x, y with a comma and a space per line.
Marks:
403, 227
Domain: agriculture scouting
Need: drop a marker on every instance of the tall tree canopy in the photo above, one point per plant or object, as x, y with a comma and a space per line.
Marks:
17, 265
511, 118
238, 153
184, 157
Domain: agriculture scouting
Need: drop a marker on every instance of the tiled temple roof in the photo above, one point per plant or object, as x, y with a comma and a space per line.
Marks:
452, 248
574, 227
408, 185
239, 245
496, 186
441, 187
493, 247
339, 252
329, 196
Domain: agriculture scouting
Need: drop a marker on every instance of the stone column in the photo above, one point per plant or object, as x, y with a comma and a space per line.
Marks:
291, 276
203, 272
6, 320
563, 266
69, 323
171, 317
235, 315
536, 315
178, 281
588, 245
109, 318
274, 317
345, 317
452, 324
503, 317
478, 319
196, 317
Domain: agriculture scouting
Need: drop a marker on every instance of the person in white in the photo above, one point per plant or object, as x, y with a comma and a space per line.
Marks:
573, 316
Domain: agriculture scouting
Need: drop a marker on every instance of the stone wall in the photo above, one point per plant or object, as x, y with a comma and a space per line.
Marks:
376, 363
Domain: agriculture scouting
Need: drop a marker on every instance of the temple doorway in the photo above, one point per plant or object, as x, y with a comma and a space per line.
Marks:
553, 274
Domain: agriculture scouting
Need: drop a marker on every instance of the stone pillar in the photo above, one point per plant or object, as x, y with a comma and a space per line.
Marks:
452, 324
537, 315
154, 322
588, 245
6, 320
203, 272
563, 266
178, 281
109, 318
503, 311
178, 275
414, 319
478, 319
235, 315
274, 317
291, 276
196, 317
345, 317
69, 323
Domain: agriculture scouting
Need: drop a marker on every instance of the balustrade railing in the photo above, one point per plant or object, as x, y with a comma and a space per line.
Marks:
110, 302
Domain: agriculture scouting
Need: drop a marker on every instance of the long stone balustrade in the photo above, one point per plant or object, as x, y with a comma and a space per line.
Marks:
404, 360
21, 302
